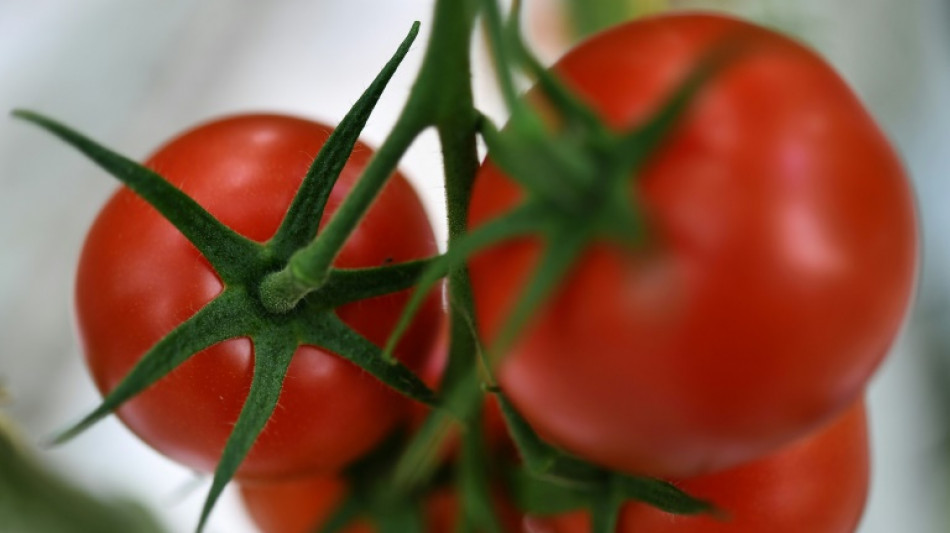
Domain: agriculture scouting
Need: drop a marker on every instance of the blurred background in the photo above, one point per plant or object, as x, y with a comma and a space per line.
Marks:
131, 73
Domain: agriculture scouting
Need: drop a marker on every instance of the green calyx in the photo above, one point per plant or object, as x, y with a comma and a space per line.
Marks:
246, 307
577, 175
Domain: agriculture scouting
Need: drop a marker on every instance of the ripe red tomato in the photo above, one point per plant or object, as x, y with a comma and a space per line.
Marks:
139, 278
780, 260
818, 484
299, 506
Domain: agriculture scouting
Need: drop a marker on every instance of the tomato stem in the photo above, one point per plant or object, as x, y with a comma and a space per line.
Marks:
309, 268
441, 97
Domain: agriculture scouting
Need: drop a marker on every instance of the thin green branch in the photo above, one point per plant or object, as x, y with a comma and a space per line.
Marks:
536, 455
345, 285
563, 249
222, 319
424, 452
227, 251
521, 221
474, 471
467, 324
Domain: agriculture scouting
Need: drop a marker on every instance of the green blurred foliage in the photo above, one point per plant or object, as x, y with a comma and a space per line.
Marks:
34, 500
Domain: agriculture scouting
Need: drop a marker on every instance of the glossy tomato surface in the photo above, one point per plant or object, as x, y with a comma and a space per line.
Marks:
297, 506
818, 484
139, 278
301, 506
779, 262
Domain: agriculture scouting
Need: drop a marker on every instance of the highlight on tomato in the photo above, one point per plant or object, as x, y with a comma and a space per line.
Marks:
770, 269
818, 484
139, 277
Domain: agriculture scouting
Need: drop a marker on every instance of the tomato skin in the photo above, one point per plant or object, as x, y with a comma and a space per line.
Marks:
297, 505
300, 506
138, 278
819, 484
781, 259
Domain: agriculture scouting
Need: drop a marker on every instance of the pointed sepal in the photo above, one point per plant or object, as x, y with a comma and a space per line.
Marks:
327, 331
273, 350
221, 319
305, 212
228, 252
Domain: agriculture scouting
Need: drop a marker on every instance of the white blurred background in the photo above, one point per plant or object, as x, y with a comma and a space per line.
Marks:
131, 73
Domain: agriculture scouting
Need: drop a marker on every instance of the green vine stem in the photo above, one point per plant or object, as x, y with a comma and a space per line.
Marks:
440, 97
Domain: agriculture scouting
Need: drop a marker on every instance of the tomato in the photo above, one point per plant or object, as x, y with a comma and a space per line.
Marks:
297, 506
817, 484
138, 278
779, 263
300, 506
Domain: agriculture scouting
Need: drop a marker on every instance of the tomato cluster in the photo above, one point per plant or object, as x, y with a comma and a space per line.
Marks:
726, 350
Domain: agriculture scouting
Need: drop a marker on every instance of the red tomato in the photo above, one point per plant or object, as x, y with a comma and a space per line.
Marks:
300, 506
139, 278
818, 484
297, 506
780, 260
